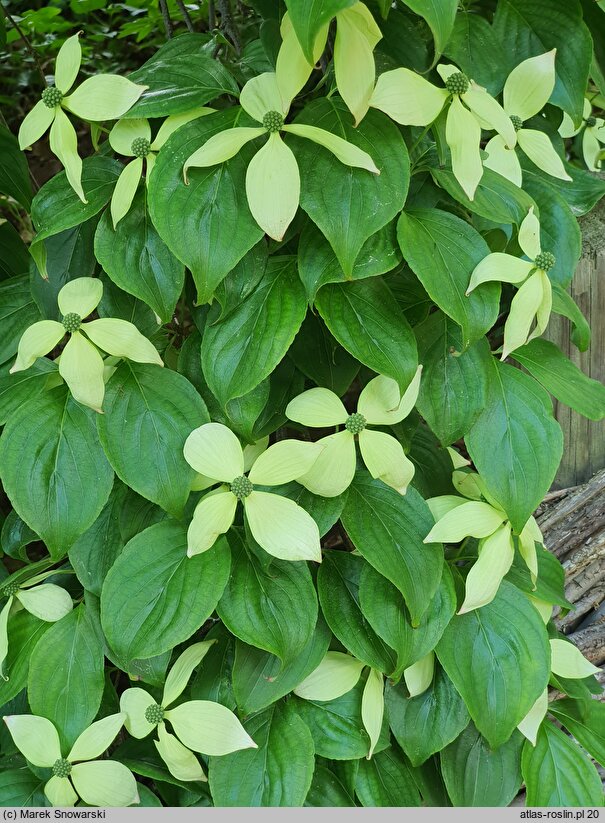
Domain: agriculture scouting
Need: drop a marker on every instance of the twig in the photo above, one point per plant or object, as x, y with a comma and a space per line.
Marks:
166, 19
28, 45
211, 15
185, 14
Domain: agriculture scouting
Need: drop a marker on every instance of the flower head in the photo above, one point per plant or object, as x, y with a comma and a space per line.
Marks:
78, 775
132, 138
81, 365
380, 404
593, 135
272, 178
44, 600
478, 515
533, 301
411, 100
199, 725
277, 523
103, 97
526, 92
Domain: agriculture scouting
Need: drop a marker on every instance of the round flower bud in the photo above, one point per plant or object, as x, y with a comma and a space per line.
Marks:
154, 714
591, 121
140, 147
457, 83
517, 122
61, 767
241, 487
52, 97
71, 321
10, 589
545, 261
355, 423
273, 121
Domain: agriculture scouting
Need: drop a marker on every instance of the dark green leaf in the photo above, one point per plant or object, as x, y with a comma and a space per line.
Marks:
19, 787
17, 312
557, 772
550, 585
349, 205
338, 588
24, 632
138, 261
324, 510
308, 18
66, 679
476, 775
244, 346
585, 720
14, 257
508, 646
17, 389
54, 469
425, 724
475, 48
154, 596
386, 780
277, 773
516, 444
388, 529
564, 304
14, 173
149, 413
16, 536
365, 319
443, 250
318, 356
327, 790
440, 16
454, 382
496, 198
207, 225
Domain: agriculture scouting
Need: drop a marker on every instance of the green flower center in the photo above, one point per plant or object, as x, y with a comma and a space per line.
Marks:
545, 261
10, 589
140, 147
273, 121
457, 83
591, 121
154, 714
355, 423
241, 487
52, 97
71, 321
517, 122
61, 767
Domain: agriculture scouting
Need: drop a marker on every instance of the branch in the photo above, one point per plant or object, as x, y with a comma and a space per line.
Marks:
28, 45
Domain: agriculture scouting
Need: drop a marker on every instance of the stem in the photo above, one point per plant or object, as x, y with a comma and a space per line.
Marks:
166, 19
28, 45
185, 14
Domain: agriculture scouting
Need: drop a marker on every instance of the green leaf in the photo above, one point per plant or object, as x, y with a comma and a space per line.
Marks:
386, 780
365, 319
308, 18
149, 413
24, 632
476, 775
95, 551
57, 207
585, 720
66, 677
207, 225
496, 198
337, 727
14, 172
320, 358
454, 387
564, 304
475, 47
562, 378
529, 29
440, 16
425, 724
138, 261
54, 469
581, 194
384, 607
245, 345
327, 790
558, 773
347, 204
19, 787
154, 596
338, 589
318, 265
14, 257
277, 773
179, 83
550, 585
17, 389
433, 464
17, 312
516, 444
508, 645
258, 604
388, 530
259, 678
16, 536
443, 250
